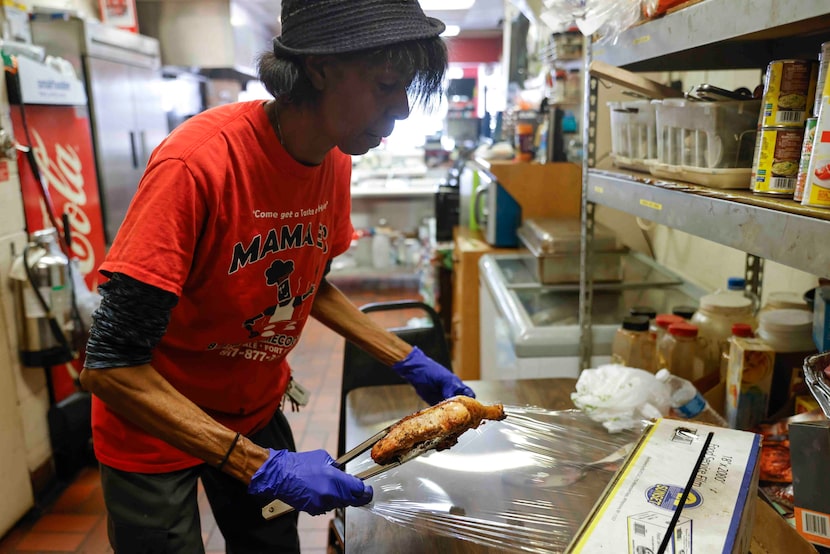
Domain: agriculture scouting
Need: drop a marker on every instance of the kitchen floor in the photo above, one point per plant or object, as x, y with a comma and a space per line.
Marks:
76, 521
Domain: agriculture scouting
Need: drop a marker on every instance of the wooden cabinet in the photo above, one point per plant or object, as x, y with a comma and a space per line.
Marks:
542, 190
469, 246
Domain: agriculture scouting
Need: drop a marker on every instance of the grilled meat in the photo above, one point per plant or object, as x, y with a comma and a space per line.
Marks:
436, 427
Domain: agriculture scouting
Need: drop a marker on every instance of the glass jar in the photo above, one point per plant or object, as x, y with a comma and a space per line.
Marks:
679, 353
714, 318
633, 344
790, 334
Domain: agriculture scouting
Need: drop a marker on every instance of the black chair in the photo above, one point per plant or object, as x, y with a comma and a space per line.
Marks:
362, 370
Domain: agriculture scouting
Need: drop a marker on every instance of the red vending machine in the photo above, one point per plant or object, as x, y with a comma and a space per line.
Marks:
50, 115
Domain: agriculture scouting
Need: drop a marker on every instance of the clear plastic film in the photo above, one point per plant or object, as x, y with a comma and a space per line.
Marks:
607, 18
525, 483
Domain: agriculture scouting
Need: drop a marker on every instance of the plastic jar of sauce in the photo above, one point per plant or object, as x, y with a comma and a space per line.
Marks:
662, 322
633, 344
784, 301
678, 351
714, 318
790, 334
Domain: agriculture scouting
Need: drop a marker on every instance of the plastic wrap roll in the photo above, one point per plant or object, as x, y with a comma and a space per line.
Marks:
525, 483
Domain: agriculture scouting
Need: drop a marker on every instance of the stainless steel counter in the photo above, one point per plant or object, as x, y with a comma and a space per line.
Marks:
370, 409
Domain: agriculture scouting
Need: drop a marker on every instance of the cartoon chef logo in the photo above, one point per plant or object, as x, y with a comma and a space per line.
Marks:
280, 316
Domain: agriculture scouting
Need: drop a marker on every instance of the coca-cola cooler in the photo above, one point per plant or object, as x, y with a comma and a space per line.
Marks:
50, 115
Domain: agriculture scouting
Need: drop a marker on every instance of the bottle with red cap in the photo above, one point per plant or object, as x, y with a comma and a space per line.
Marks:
678, 351
662, 322
738, 330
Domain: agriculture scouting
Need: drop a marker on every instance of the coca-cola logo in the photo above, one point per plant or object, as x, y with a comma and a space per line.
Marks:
64, 176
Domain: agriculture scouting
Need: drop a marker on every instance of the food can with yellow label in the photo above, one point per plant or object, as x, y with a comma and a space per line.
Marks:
804, 163
789, 93
777, 154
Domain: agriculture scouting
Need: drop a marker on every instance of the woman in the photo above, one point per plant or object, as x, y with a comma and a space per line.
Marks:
219, 262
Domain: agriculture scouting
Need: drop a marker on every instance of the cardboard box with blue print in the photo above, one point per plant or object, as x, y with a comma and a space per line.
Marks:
687, 487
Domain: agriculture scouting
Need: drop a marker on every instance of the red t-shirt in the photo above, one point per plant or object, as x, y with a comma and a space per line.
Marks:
227, 220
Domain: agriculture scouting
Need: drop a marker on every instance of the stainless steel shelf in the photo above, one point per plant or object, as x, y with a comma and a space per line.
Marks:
792, 239
722, 34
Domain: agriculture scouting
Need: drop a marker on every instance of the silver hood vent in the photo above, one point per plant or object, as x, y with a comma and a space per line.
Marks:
217, 38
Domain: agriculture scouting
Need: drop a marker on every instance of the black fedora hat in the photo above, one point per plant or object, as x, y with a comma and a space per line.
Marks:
340, 26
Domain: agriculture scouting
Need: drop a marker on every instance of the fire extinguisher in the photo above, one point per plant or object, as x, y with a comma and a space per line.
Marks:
44, 302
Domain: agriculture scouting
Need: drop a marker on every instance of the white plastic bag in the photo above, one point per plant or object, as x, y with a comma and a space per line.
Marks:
608, 18
621, 397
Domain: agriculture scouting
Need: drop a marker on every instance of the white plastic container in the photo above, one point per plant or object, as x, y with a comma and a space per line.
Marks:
633, 134
783, 300
708, 143
790, 334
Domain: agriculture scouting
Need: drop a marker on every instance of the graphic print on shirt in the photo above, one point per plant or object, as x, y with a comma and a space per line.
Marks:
279, 317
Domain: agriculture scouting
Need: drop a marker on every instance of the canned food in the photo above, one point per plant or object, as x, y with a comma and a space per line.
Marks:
824, 62
777, 153
789, 91
804, 163
817, 182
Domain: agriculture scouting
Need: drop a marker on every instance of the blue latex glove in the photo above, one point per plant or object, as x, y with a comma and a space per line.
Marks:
432, 381
308, 481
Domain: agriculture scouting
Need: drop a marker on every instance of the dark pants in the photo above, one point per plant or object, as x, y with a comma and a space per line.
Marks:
158, 513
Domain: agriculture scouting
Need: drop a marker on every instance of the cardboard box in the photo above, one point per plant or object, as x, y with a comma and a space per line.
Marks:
810, 458
721, 465
771, 533
748, 381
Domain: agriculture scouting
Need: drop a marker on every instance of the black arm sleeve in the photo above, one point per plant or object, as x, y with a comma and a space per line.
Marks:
129, 323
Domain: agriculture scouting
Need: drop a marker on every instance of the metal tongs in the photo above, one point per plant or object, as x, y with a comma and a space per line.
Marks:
278, 507
816, 380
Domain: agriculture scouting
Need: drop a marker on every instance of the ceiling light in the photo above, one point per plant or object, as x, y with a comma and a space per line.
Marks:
451, 31
446, 5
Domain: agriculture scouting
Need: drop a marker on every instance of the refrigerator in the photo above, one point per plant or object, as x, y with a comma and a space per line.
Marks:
122, 76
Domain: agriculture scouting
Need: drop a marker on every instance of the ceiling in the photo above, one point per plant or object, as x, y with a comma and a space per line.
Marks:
482, 19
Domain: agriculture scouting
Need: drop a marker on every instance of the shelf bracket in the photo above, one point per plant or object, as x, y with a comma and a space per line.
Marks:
754, 274
586, 239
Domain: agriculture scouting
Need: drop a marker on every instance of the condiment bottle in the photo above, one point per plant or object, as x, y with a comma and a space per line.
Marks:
633, 344
662, 322
790, 334
678, 352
